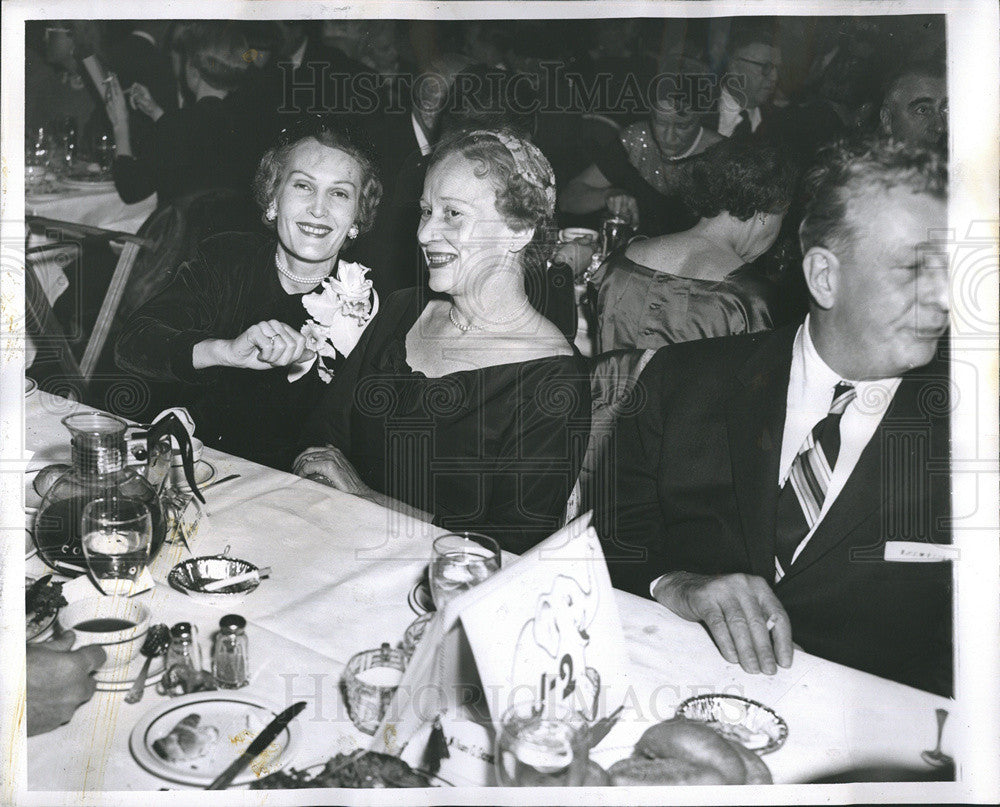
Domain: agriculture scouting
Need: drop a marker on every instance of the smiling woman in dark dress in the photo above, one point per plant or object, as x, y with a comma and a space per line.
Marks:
466, 405
229, 322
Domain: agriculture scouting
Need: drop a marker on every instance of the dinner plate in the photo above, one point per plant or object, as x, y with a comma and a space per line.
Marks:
122, 678
238, 719
30, 385
38, 631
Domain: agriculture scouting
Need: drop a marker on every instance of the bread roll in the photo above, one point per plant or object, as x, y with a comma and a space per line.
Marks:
681, 751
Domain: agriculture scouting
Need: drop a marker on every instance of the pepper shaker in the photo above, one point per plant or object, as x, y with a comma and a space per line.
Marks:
230, 656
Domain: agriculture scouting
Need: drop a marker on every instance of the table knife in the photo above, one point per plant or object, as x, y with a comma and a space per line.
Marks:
261, 741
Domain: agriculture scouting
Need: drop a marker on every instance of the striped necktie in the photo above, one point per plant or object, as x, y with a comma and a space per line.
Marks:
800, 501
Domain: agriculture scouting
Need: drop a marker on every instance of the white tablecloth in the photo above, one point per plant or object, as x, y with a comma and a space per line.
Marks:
341, 572
97, 207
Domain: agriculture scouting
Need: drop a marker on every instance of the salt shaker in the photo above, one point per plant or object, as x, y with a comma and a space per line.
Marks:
183, 655
230, 656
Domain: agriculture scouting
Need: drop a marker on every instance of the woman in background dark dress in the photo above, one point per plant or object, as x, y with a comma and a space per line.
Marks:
208, 144
466, 405
228, 326
699, 283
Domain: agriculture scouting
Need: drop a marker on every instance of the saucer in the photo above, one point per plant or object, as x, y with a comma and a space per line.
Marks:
119, 679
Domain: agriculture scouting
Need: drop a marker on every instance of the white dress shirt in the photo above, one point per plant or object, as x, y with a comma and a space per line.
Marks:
418, 132
810, 393
729, 115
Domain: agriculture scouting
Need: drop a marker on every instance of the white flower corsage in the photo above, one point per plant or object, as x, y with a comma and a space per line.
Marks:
340, 311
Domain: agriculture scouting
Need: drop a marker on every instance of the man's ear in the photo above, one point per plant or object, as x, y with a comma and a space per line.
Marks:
820, 267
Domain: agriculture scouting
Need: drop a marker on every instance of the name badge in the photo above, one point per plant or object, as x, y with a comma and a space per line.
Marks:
919, 552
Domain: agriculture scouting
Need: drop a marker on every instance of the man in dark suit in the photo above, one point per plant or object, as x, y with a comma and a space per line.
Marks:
780, 484
746, 90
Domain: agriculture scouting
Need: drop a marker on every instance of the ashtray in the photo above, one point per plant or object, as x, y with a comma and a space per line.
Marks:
751, 724
193, 576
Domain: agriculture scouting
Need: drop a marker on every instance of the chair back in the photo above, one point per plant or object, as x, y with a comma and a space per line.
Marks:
175, 230
613, 378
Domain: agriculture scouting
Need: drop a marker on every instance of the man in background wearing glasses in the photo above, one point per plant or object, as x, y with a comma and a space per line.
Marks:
749, 82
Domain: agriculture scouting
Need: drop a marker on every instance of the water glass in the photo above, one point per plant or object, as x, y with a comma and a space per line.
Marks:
116, 533
461, 561
539, 747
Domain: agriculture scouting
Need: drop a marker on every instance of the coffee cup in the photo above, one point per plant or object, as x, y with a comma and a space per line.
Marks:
177, 462
117, 624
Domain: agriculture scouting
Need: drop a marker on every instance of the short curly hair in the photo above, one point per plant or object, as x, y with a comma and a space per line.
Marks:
740, 177
850, 169
217, 49
334, 134
521, 202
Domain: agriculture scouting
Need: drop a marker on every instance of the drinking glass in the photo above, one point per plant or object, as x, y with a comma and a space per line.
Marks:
104, 151
461, 560
117, 531
538, 747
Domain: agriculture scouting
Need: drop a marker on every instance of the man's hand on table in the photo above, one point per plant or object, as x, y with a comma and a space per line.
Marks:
59, 680
736, 609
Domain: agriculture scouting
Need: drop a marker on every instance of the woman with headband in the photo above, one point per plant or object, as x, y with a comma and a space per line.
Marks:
465, 405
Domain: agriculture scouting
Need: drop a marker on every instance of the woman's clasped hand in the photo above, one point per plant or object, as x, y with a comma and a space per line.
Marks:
260, 347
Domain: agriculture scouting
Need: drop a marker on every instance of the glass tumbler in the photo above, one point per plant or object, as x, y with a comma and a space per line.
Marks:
459, 562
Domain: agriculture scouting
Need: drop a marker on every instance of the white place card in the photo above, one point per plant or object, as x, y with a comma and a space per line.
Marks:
545, 628
919, 552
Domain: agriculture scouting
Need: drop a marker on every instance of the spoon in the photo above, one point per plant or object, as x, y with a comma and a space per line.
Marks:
937, 757
156, 643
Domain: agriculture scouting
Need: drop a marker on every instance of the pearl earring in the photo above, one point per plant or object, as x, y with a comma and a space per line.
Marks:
272, 211
353, 232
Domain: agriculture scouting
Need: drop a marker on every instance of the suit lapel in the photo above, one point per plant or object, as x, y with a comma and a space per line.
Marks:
863, 492
755, 418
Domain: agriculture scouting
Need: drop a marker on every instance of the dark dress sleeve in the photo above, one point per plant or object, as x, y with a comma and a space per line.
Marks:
629, 522
156, 342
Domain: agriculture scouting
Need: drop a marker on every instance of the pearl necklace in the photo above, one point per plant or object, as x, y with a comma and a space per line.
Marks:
282, 266
471, 326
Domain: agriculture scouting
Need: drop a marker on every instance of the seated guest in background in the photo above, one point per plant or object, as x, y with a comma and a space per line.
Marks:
56, 85
750, 81
915, 109
193, 148
58, 681
640, 177
700, 283
229, 323
775, 481
466, 405
843, 102
404, 140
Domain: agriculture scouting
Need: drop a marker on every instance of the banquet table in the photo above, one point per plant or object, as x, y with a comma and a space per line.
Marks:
342, 572
97, 205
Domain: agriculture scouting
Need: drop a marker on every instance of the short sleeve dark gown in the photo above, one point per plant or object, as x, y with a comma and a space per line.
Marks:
230, 285
493, 450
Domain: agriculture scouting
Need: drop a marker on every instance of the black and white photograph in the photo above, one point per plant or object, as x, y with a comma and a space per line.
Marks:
461, 400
